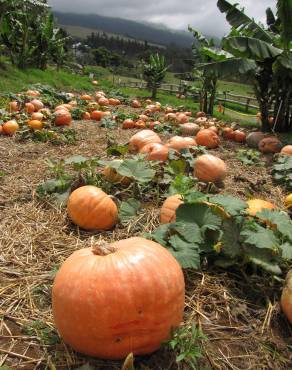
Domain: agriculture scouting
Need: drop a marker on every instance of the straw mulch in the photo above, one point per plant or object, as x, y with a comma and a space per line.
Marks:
239, 314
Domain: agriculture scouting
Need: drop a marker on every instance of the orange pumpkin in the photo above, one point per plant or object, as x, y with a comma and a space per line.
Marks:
143, 117
61, 107
148, 101
112, 101
29, 108
10, 127
239, 136
168, 110
287, 150
99, 115
128, 123
258, 205
153, 124
136, 104
171, 117
133, 310
63, 118
73, 103
92, 209
286, 298
33, 93
179, 142
140, 124
208, 138
37, 104
288, 201
86, 116
86, 97
201, 121
209, 168
270, 145
103, 101
228, 133
157, 152
37, 116
35, 124
142, 138
168, 209
112, 176
13, 106
213, 128
182, 118
189, 129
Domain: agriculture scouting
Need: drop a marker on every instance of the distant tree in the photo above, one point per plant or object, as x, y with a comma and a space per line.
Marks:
154, 72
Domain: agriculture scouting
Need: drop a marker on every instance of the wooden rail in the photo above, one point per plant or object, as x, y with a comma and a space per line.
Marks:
222, 97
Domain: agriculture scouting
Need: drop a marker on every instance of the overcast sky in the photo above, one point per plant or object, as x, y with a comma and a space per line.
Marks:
201, 14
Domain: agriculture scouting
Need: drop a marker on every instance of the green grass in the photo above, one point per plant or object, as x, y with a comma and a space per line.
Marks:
240, 108
14, 80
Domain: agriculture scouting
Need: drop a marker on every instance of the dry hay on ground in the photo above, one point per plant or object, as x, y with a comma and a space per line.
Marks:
239, 314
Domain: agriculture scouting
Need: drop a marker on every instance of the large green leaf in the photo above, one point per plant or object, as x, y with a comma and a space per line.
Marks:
231, 66
284, 12
259, 237
128, 210
250, 48
189, 231
239, 20
233, 206
280, 219
216, 54
231, 239
263, 259
187, 254
197, 213
286, 249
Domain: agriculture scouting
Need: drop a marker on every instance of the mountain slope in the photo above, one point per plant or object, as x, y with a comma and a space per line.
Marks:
139, 31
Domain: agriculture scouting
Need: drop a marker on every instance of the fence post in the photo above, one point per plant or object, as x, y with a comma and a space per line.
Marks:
247, 105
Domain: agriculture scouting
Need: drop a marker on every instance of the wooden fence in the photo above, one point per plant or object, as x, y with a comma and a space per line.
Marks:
223, 97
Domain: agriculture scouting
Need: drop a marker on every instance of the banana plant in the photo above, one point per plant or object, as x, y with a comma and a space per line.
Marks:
267, 56
154, 72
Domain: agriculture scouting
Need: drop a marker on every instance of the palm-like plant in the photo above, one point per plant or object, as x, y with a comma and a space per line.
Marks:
154, 72
266, 53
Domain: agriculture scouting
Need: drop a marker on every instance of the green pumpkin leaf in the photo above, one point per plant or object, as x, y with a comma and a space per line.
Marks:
286, 249
197, 213
231, 205
128, 210
280, 219
263, 259
259, 237
187, 254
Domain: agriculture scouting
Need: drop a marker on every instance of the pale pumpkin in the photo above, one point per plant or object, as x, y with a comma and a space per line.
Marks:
37, 116
182, 118
180, 142
92, 209
258, 205
112, 300
168, 209
286, 298
254, 138
200, 114
37, 104
142, 138
208, 138
189, 129
287, 150
209, 168
156, 152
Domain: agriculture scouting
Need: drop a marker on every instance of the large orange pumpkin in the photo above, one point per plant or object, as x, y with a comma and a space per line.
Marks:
63, 118
180, 142
10, 127
97, 115
136, 104
156, 152
270, 145
168, 209
92, 209
286, 298
37, 116
228, 133
181, 118
287, 150
103, 101
208, 138
112, 300
128, 123
86, 97
142, 138
258, 205
33, 93
209, 168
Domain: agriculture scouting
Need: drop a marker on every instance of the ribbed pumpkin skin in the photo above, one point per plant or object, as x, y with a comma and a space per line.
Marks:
189, 129
180, 142
208, 138
168, 209
258, 205
270, 145
127, 301
157, 152
92, 209
209, 168
287, 150
286, 298
141, 139
254, 138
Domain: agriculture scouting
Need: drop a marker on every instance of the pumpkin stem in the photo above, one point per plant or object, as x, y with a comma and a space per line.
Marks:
103, 249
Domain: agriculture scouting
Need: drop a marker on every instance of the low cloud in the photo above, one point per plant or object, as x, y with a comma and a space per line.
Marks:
200, 14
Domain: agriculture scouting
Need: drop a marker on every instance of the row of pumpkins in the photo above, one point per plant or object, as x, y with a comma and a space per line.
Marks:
143, 298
